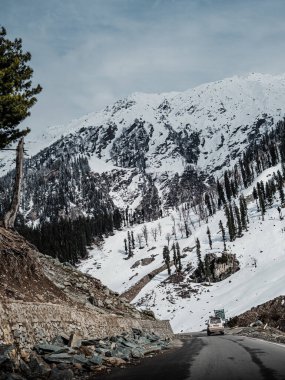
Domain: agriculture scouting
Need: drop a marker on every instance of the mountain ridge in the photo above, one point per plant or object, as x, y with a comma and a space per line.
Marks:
142, 148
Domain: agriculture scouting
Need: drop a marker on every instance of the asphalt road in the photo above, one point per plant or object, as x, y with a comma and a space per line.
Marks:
214, 358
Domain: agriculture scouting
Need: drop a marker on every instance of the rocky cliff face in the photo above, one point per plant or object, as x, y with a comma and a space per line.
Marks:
216, 268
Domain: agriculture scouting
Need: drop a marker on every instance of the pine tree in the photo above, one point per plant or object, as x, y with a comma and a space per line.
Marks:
199, 259
208, 204
238, 218
178, 257
233, 225
17, 93
227, 186
133, 239
262, 188
280, 187
255, 196
130, 252
243, 213
223, 234
209, 237
126, 246
261, 200
268, 193
174, 256
221, 195
186, 229
243, 174
234, 189
208, 273
272, 187
230, 222
213, 204
166, 257
117, 219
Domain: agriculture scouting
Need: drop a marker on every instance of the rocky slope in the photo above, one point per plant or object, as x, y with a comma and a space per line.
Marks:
75, 324
271, 313
29, 276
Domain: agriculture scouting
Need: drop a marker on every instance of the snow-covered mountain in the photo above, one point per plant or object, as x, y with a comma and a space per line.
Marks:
155, 153
153, 143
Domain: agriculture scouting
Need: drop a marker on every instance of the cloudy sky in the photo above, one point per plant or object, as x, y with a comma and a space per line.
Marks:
88, 53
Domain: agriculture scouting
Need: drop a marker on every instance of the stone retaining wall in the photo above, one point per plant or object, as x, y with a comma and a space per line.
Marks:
30, 323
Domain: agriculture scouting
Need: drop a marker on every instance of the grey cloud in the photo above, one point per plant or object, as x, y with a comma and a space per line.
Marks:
88, 53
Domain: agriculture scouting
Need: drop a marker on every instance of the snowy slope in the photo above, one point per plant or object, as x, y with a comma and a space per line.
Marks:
260, 251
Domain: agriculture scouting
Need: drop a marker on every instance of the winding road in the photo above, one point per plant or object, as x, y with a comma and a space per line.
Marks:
215, 357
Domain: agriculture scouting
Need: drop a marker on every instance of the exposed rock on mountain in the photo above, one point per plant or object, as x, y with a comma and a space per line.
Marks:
216, 268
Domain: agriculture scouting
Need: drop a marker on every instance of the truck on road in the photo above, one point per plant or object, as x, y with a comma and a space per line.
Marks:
215, 325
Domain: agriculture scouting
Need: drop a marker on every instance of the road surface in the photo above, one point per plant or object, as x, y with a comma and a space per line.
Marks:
214, 358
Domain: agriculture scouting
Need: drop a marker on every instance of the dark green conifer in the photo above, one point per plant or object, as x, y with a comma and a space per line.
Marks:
227, 186
255, 196
238, 218
280, 187
208, 204
223, 234
261, 200
230, 223
243, 212
175, 261
178, 257
133, 239
209, 237
207, 265
221, 195
166, 257
268, 193
17, 95
199, 258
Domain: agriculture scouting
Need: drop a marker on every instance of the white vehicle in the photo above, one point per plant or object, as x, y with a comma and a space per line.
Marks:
215, 325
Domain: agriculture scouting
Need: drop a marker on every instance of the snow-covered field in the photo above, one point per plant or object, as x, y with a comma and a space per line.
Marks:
260, 251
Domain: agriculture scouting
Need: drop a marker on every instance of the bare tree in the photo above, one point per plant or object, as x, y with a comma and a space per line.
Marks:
168, 238
174, 232
181, 228
174, 226
159, 228
10, 216
186, 219
154, 232
139, 238
180, 212
145, 233
191, 221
